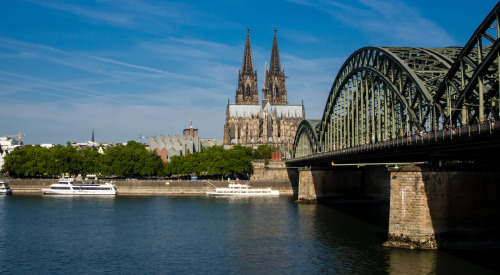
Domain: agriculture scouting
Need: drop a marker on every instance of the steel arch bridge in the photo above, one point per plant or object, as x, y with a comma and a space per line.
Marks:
386, 93
306, 140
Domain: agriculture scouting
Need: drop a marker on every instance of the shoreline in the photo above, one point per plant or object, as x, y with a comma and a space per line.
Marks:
154, 187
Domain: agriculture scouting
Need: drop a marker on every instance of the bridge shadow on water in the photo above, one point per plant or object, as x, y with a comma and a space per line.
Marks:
362, 226
463, 209
352, 232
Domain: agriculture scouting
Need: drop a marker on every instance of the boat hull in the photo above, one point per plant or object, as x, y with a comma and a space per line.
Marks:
274, 194
77, 192
6, 192
67, 188
5, 189
244, 192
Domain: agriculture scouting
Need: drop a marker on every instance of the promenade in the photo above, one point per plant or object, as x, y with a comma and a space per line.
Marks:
154, 187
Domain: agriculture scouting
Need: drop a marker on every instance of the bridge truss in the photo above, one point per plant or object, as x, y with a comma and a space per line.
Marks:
386, 93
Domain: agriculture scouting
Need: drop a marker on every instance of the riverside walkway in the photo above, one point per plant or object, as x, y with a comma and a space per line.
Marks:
152, 187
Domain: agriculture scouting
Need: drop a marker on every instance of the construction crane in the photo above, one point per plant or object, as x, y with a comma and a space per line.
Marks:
19, 136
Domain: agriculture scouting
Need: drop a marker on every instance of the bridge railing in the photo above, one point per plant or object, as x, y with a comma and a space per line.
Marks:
448, 133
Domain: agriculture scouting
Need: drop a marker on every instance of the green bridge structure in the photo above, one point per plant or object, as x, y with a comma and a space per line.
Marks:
418, 127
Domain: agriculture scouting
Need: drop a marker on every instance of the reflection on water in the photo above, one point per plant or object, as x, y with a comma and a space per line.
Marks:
442, 262
3, 199
420, 262
207, 235
350, 237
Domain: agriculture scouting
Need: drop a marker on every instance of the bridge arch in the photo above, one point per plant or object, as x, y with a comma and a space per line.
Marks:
383, 93
306, 141
469, 93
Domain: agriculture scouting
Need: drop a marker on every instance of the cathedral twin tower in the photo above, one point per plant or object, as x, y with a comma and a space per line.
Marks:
274, 90
273, 121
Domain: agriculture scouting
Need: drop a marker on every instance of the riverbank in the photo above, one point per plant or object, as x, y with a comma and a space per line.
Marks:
154, 187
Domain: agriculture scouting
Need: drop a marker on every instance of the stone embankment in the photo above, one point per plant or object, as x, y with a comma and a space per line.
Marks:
155, 187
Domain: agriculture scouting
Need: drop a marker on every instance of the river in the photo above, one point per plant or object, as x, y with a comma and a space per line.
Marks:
208, 235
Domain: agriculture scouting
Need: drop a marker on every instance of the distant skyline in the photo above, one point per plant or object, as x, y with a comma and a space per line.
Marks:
131, 67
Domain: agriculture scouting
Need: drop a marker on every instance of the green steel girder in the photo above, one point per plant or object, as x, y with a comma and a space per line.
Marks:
469, 93
404, 76
383, 93
306, 141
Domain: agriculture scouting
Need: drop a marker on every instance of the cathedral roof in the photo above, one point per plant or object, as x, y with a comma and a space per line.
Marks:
290, 111
244, 110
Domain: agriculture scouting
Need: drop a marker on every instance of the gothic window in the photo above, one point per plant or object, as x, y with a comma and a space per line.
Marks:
276, 91
232, 132
247, 91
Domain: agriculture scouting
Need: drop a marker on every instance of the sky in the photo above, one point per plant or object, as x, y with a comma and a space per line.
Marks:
131, 68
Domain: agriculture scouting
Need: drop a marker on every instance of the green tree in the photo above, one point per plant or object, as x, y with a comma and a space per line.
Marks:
14, 163
265, 151
130, 160
89, 161
213, 161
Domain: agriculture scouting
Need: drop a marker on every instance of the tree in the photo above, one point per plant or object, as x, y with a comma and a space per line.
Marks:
265, 151
212, 161
90, 161
130, 160
14, 162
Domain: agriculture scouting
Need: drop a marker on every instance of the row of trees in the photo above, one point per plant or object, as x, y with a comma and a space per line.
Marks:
130, 160
212, 161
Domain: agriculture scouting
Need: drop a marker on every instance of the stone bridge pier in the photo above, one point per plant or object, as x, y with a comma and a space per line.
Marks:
322, 185
430, 208
439, 208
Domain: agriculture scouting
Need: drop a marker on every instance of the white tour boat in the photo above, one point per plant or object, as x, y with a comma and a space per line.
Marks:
243, 190
5, 188
66, 186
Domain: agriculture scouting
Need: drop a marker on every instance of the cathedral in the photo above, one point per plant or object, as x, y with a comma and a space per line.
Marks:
273, 121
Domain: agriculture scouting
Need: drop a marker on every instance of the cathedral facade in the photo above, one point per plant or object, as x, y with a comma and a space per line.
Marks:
273, 121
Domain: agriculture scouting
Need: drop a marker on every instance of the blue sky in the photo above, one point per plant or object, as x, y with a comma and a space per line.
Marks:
125, 67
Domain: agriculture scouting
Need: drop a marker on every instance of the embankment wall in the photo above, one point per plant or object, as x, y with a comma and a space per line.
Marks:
154, 187
275, 170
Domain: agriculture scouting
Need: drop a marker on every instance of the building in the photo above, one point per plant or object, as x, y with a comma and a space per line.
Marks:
7, 145
96, 146
272, 122
190, 131
180, 145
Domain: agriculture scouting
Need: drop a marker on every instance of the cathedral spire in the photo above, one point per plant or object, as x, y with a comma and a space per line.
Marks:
274, 66
247, 56
274, 90
247, 92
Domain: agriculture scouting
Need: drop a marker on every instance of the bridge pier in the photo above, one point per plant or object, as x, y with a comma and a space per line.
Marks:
323, 185
432, 209
307, 192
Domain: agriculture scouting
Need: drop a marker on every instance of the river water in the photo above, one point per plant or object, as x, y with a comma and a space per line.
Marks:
207, 235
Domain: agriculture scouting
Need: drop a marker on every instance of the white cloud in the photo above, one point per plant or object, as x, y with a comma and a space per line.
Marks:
132, 14
386, 22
